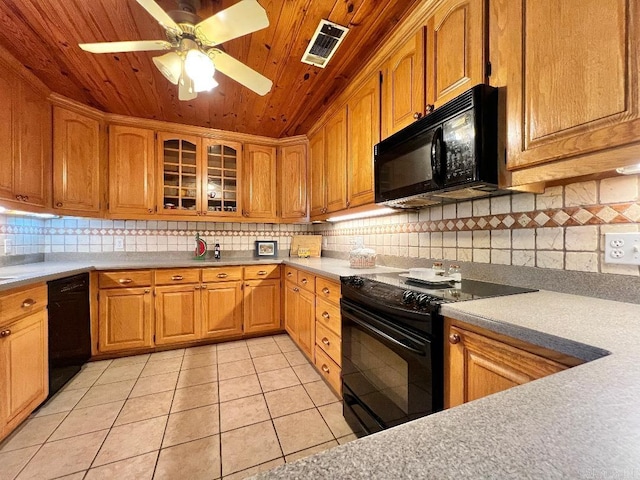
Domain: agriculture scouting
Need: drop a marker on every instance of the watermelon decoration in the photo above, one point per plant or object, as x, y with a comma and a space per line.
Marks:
201, 248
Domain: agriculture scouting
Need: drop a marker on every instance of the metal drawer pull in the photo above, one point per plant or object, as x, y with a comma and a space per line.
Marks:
325, 369
326, 341
5, 333
289, 274
124, 281
222, 275
304, 281
177, 278
147, 291
296, 289
29, 302
262, 272
326, 315
454, 338
326, 291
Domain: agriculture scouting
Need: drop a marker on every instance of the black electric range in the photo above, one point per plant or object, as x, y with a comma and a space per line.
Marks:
392, 346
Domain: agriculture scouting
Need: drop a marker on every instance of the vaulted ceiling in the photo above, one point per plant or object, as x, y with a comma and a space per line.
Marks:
44, 36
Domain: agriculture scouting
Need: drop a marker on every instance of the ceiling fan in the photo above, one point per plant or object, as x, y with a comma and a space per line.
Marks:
193, 42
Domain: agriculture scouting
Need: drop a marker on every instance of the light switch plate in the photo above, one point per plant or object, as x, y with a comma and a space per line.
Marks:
8, 246
622, 248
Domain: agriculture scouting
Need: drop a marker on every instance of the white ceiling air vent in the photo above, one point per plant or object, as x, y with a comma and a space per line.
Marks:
324, 43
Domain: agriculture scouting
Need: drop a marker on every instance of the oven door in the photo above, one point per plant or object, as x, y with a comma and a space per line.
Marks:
387, 371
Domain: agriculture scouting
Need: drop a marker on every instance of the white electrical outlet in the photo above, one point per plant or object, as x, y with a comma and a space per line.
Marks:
622, 248
8, 246
118, 244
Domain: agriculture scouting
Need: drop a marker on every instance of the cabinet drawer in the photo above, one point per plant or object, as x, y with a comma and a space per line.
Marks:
306, 281
177, 276
291, 274
221, 274
329, 370
330, 342
328, 290
125, 279
261, 272
328, 315
22, 302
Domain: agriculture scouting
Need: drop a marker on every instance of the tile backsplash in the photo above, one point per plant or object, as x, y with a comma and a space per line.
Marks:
562, 228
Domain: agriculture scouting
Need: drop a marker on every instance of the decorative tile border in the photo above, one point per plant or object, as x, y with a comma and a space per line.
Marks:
560, 217
18, 229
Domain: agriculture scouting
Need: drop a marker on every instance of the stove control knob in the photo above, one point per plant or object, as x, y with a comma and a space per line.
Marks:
357, 281
423, 300
408, 297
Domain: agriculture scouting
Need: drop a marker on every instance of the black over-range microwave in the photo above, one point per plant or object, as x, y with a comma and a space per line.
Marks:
449, 155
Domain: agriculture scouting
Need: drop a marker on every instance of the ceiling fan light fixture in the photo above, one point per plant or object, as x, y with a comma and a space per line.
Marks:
199, 66
170, 65
205, 85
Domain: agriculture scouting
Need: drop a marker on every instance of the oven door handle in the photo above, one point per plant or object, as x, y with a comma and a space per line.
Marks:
382, 334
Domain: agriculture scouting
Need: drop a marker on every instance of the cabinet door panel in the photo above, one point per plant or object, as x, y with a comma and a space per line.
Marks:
131, 162
260, 177
363, 133
403, 86
293, 183
306, 322
317, 174
336, 161
76, 162
291, 292
222, 178
179, 171
32, 167
8, 129
261, 306
222, 309
24, 365
177, 314
456, 50
125, 317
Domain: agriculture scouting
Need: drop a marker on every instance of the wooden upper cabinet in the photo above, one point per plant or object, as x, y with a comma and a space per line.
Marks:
317, 174
293, 183
77, 162
363, 132
8, 114
456, 49
403, 86
179, 191
259, 183
131, 162
221, 178
572, 86
335, 151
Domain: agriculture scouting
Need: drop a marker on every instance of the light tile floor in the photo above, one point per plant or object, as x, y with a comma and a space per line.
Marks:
219, 411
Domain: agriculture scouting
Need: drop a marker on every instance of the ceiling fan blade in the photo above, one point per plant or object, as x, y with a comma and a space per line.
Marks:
170, 65
239, 72
115, 47
243, 18
160, 15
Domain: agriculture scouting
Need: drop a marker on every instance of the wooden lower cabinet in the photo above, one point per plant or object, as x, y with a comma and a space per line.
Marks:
299, 316
477, 365
24, 374
177, 314
261, 306
125, 319
221, 309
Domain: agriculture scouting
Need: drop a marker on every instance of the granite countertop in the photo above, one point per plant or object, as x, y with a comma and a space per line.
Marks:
20, 275
583, 422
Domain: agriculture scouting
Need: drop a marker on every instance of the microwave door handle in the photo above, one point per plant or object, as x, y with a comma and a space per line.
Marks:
436, 155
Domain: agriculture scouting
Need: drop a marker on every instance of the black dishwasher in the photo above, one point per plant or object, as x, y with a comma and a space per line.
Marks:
69, 329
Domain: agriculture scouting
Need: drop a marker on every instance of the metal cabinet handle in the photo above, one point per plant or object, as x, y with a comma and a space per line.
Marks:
197, 287
177, 278
304, 281
150, 210
417, 116
29, 302
147, 290
19, 198
59, 204
262, 272
289, 274
429, 108
326, 291
5, 333
454, 338
326, 341
25, 198
325, 369
296, 289
326, 315
222, 275
124, 281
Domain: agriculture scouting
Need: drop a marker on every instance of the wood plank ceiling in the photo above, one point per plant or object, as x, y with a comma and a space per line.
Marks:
44, 36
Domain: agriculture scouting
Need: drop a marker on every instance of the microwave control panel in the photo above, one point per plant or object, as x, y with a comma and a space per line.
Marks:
459, 144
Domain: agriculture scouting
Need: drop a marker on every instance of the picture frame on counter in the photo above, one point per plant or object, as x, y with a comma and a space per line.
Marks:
266, 249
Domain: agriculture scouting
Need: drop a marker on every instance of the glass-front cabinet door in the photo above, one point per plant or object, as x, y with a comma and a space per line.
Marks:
181, 192
220, 186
